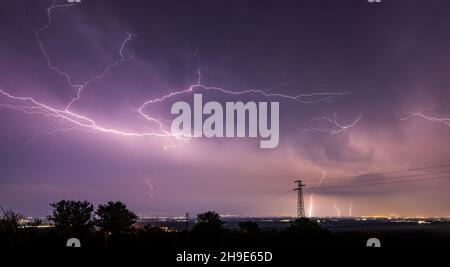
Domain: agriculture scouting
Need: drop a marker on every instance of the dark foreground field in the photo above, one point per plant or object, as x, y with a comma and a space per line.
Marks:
239, 235
113, 225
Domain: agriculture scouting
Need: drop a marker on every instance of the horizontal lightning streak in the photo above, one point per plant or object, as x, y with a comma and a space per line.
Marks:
423, 115
336, 126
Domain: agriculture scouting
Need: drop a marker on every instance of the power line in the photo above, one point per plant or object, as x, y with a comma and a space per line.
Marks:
385, 173
255, 201
276, 194
270, 198
257, 204
249, 201
384, 183
385, 178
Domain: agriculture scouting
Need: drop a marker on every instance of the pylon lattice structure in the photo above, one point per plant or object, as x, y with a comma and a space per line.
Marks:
300, 201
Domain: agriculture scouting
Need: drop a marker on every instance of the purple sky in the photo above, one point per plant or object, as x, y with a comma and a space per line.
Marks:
392, 58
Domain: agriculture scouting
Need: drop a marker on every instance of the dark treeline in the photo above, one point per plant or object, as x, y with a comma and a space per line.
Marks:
112, 225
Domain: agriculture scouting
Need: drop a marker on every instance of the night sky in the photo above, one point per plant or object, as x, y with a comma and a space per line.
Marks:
384, 67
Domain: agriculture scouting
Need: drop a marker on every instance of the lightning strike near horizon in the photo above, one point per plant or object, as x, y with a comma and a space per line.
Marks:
311, 205
336, 208
150, 186
311, 198
322, 179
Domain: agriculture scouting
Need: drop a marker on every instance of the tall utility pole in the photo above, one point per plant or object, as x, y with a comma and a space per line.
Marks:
300, 202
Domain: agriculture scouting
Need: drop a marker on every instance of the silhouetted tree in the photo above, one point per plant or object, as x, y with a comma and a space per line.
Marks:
9, 224
208, 230
72, 217
249, 227
11, 218
208, 221
114, 218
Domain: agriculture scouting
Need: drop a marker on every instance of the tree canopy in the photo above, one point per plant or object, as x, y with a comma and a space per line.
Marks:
114, 218
72, 217
209, 221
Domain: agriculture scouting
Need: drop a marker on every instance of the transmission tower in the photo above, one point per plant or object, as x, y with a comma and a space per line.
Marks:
300, 202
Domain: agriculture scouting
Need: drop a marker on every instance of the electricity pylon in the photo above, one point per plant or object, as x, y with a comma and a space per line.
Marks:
300, 202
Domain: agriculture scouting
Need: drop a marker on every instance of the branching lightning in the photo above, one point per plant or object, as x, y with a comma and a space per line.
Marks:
122, 59
423, 114
78, 87
78, 121
336, 127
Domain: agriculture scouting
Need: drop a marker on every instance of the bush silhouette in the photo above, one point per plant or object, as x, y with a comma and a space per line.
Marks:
208, 230
9, 226
208, 222
114, 218
72, 217
11, 218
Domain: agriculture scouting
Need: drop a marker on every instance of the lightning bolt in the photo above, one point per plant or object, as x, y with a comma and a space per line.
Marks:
30, 105
50, 11
122, 59
338, 211
77, 121
336, 127
78, 87
311, 197
302, 98
311, 205
324, 175
350, 210
423, 114
150, 186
